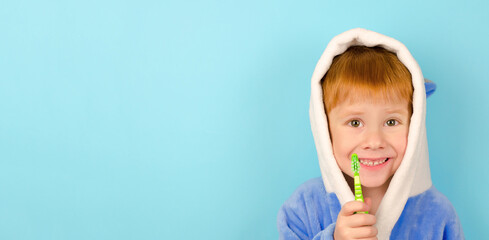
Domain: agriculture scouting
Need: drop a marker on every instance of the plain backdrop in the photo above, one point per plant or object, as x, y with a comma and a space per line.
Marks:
189, 119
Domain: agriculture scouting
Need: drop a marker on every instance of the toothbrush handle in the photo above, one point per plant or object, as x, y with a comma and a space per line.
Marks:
358, 190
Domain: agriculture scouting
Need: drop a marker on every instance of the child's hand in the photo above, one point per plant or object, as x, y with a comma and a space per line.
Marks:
355, 226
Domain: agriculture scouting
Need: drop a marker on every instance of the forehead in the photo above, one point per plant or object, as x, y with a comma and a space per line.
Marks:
354, 106
378, 96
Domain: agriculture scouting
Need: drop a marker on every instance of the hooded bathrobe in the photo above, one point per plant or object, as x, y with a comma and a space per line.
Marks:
411, 208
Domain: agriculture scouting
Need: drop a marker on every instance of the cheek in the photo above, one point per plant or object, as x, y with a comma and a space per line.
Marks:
400, 142
342, 144
341, 134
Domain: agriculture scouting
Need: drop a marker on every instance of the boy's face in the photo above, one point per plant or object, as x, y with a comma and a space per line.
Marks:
376, 132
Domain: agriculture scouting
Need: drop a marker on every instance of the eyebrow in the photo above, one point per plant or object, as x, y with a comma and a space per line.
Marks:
353, 113
399, 110
389, 111
350, 113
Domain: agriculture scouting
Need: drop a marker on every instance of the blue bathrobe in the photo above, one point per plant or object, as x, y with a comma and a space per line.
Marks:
311, 212
411, 208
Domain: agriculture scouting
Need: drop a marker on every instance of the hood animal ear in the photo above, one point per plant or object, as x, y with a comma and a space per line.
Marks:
430, 87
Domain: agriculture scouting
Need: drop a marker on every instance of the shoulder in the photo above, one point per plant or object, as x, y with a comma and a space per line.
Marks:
431, 204
436, 201
311, 198
311, 187
308, 211
428, 215
311, 190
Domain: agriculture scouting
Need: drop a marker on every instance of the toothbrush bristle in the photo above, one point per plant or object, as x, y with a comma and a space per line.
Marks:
355, 166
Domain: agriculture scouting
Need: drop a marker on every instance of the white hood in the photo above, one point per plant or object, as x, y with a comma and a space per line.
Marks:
413, 175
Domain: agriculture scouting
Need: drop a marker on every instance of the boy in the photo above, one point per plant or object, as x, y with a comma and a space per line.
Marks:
368, 97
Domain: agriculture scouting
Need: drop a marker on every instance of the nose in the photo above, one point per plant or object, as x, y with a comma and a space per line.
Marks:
374, 139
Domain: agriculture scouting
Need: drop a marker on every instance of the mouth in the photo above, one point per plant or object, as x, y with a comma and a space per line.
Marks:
373, 162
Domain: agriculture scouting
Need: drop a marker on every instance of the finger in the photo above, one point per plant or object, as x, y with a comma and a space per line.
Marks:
354, 206
364, 232
360, 220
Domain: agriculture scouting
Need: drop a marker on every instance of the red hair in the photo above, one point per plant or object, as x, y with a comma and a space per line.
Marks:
366, 74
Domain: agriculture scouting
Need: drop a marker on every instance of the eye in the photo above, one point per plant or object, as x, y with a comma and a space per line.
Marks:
355, 123
391, 122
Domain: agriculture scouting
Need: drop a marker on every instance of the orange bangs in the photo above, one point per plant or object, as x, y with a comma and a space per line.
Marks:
366, 74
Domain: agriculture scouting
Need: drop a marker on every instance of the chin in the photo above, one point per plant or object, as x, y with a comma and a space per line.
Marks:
373, 183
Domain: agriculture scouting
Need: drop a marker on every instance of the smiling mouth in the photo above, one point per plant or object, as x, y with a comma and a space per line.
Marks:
373, 162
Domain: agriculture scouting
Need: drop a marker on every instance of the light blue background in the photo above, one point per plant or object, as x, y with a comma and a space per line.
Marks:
189, 120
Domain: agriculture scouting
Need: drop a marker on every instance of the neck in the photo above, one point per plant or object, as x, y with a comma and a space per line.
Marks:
374, 193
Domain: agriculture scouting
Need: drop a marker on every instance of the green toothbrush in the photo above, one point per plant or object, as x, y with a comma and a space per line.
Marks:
355, 166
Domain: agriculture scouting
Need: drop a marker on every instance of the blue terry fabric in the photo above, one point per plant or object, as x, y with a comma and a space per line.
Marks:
429, 215
311, 212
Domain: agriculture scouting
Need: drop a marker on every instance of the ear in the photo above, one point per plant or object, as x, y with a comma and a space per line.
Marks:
429, 86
